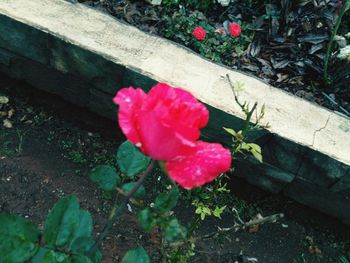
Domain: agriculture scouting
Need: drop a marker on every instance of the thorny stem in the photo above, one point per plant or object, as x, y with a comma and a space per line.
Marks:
247, 112
345, 7
236, 96
117, 210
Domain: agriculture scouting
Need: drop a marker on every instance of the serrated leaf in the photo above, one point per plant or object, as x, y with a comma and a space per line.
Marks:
18, 239
62, 222
130, 160
146, 219
218, 211
174, 231
167, 201
138, 255
138, 194
254, 149
105, 177
46, 255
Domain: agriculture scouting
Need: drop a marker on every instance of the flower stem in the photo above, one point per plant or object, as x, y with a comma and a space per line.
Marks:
117, 210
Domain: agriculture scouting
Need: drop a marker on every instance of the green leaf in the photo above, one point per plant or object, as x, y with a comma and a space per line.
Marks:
97, 258
218, 211
202, 210
18, 239
254, 149
105, 177
81, 259
230, 131
146, 219
167, 201
49, 256
236, 135
138, 255
138, 194
81, 241
130, 160
174, 231
62, 222
81, 244
343, 259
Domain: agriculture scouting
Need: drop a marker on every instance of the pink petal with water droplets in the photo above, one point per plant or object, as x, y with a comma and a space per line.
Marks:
130, 101
203, 165
159, 141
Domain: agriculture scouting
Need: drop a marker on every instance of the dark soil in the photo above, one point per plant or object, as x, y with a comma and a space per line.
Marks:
52, 146
287, 50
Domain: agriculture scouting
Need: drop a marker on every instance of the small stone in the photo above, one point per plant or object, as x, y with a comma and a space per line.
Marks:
319, 25
129, 208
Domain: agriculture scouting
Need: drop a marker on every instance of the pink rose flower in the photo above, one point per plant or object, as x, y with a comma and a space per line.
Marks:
235, 29
199, 33
165, 124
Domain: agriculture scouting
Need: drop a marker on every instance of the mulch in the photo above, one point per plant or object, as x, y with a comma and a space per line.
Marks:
288, 48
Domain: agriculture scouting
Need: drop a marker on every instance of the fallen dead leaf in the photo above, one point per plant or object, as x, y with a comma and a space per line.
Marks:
46, 180
255, 228
314, 250
4, 100
7, 123
10, 113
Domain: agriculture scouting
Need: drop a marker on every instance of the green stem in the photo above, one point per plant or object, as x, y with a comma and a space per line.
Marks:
194, 225
345, 7
246, 126
117, 210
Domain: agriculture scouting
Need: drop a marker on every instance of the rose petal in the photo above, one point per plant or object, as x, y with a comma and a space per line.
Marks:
160, 141
181, 110
198, 114
203, 165
235, 29
130, 101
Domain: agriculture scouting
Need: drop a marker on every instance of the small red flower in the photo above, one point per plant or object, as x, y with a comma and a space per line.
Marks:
199, 33
235, 29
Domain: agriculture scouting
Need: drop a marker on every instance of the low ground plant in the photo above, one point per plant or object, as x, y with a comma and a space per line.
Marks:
220, 43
